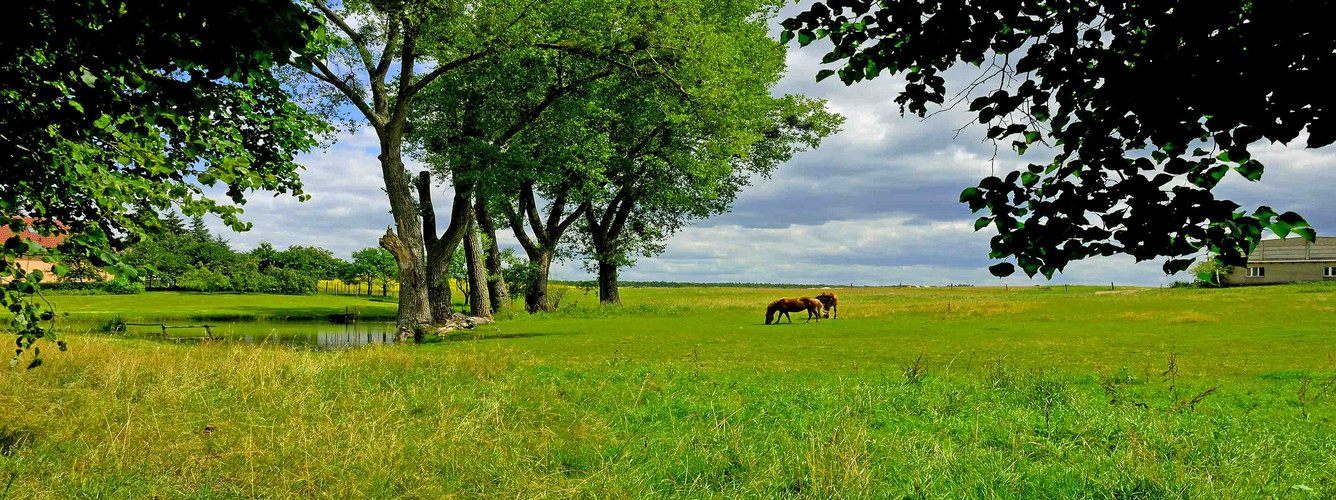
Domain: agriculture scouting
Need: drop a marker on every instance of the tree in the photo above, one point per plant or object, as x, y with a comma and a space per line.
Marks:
376, 265
357, 63
672, 164
172, 224
1148, 104
198, 230
488, 129
80, 270
264, 255
114, 112
1212, 272
315, 262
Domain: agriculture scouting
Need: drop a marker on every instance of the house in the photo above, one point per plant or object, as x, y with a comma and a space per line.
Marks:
1287, 261
33, 262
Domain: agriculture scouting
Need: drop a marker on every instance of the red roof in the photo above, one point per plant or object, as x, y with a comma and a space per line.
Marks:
29, 234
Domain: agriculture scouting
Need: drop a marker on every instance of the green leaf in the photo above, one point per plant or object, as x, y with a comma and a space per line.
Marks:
1251, 169
785, 36
1002, 269
982, 222
60, 269
824, 74
1306, 233
1292, 219
1264, 213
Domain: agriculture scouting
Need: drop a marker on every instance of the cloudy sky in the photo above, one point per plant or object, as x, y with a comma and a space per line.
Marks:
876, 204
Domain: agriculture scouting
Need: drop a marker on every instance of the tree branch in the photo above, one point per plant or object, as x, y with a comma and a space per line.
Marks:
622, 213
328, 76
647, 73
513, 219
551, 98
584, 208
425, 206
353, 36
530, 207
554, 212
460, 217
443, 69
386, 54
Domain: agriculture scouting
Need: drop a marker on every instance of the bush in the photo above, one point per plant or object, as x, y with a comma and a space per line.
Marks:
71, 286
204, 280
122, 286
246, 277
292, 282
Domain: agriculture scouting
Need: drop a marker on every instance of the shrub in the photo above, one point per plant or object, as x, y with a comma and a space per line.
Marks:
246, 277
292, 282
71, 286
203, 279
122, 286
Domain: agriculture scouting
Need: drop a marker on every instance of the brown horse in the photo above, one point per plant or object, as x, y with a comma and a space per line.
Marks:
830, 303
785, 306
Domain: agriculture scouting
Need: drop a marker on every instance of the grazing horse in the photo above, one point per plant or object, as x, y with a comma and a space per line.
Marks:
785, 306
830, 303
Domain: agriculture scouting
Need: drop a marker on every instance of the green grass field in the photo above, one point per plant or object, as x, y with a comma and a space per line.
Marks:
966, 392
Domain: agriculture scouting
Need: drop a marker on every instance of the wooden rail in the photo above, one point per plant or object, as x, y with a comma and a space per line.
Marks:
208, 329
348, 315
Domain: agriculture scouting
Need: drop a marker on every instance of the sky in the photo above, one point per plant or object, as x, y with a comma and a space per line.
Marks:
876, 204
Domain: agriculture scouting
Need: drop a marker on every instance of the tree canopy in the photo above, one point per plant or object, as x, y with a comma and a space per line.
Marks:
113, 112
1147, 104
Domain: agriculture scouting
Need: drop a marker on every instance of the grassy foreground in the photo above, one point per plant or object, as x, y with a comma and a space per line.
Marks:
912, 392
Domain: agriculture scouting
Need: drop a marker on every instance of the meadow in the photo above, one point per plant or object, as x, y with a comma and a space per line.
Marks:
966, 392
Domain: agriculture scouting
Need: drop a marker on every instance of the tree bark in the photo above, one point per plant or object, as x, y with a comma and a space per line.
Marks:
496, 281
479, 303
607, 283
405, 242
535, 295
438, 256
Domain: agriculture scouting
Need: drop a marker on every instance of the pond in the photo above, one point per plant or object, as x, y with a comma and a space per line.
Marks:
314, 334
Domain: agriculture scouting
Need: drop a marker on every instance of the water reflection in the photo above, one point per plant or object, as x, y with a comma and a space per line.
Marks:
313, 334
316, 334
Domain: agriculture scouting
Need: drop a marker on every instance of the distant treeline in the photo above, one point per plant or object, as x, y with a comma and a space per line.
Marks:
688, 284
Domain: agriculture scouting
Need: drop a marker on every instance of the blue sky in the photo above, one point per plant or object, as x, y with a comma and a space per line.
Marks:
876, 204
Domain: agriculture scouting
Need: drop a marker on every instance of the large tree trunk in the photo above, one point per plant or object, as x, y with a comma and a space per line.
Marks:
535, 294
405, 243
607, 283
479, 304
438, 255
496, 282
438, 263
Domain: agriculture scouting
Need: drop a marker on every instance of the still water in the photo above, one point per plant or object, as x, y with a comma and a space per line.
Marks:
315, 334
